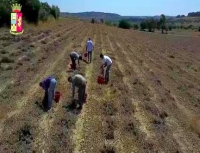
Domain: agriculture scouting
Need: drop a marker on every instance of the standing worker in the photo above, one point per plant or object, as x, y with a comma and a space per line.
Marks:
89, 49
107, 62
75, 56
49, 85
80, 82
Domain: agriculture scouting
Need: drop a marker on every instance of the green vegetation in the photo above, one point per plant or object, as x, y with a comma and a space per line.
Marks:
124, 24
135, 26
108, 23
33, 11
163, 22
92, 20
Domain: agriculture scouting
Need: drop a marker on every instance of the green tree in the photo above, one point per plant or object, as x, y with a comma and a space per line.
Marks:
30, 10
151, 24
55, 11
115, 24
92, 20
143, 26
5, 10
102, 20
46, 7
108, 23
158, 25
170, 28
163, 22
124, 24
43, 15
135, 26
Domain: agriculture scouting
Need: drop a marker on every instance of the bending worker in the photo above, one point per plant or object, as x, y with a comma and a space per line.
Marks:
107, 62
49, 85
80, 82
75, 56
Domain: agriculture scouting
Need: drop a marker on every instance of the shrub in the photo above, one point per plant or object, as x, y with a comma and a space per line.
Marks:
55, 11
30, 10
143, 25
124, 24
170, 28
151, 24
5, 10
135, 26
115, 24
102, 20
43, 15
108, 23
92, 20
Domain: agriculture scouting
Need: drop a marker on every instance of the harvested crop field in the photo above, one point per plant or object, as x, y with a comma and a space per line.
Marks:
152, 103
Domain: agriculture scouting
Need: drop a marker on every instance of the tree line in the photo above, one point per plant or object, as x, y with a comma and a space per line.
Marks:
194, 14
33, 11
149, 24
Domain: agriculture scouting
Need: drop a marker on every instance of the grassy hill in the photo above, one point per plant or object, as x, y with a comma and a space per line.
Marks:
107, 16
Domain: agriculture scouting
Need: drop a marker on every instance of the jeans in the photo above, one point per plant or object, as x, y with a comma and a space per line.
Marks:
107, 74
89, 56
49, 95
81, 95
73, 62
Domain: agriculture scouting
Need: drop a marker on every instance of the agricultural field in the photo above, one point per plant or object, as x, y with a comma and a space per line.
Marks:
152, 103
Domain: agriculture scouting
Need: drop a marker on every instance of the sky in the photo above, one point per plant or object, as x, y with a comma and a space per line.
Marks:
129, 7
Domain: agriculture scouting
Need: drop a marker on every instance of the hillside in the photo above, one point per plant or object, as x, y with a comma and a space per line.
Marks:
108, 16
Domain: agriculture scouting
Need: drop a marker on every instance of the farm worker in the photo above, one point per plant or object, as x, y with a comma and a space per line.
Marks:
89, 49
80, 82
107, 62
75, 56
49, 85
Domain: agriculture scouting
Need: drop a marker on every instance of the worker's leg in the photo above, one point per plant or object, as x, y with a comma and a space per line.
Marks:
51, 93
107, 76
90, 56
73, 62
81, 94
45, 100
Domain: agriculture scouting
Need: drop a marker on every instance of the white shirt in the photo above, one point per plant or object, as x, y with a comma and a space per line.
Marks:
89, 45
107, 60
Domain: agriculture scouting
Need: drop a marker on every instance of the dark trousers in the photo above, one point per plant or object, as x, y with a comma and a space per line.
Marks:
90, 56
45, 101
107, 75
81, 95
73, 62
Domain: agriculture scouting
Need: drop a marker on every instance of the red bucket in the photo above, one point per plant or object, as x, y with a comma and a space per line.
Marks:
100, 80
86, 54
57, 96
72, 66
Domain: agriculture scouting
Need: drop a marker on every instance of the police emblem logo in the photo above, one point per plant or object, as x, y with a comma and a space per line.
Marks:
16, 20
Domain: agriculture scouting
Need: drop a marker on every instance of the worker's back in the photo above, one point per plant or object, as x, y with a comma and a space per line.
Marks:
79, 80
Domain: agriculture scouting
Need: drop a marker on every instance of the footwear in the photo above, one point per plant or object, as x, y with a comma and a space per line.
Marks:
79, 107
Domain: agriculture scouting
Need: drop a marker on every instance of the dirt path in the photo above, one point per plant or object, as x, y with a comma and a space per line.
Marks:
46, 123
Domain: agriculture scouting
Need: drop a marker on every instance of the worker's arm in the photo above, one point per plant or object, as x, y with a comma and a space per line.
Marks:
105, 64
44, 86
73, 89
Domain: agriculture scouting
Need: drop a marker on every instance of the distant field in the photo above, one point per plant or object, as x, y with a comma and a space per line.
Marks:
151, 104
